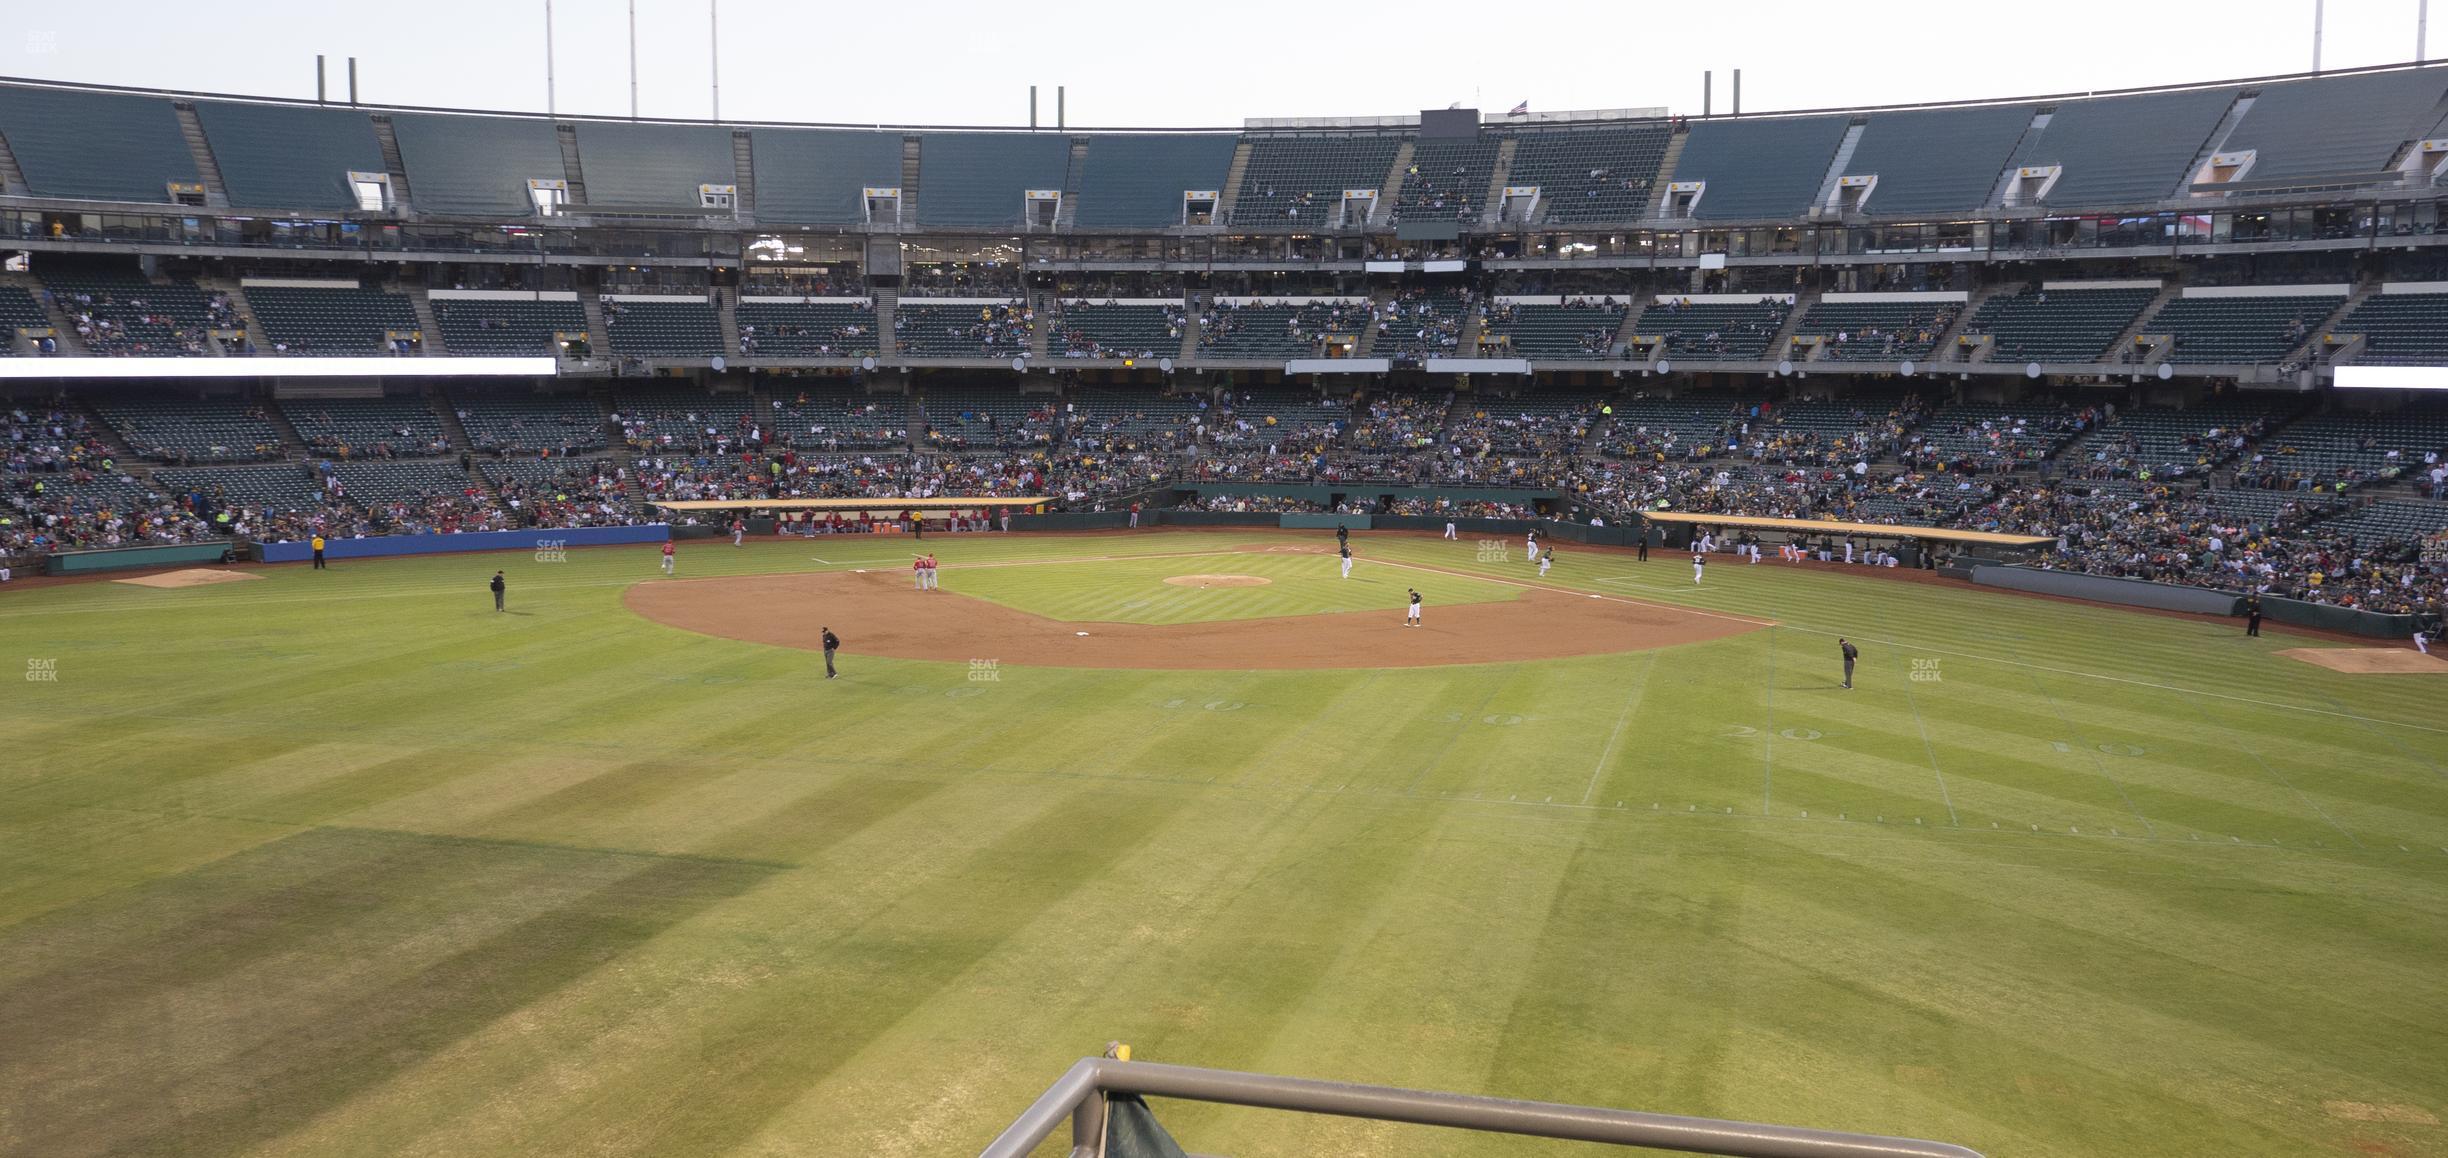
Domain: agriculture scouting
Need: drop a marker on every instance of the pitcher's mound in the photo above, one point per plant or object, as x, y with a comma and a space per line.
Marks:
192, 577
2370, 660
1218, 581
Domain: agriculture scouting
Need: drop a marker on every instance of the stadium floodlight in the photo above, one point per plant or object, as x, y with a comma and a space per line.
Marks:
98, 368
2392, 378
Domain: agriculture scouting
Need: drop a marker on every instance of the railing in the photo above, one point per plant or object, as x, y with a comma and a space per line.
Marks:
1081, 1096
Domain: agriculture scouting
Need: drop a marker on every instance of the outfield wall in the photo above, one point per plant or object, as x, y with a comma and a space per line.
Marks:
132, 558
2194, 600
535, 539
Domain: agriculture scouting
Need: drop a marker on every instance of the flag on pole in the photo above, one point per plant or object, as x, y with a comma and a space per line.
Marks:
1520, 110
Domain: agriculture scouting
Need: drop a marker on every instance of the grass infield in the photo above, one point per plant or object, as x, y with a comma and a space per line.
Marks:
344, 862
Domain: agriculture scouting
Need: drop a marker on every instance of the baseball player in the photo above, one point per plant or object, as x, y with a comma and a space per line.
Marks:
1545, 561
1699, 565
739, 529
933, 571
1411, 617
1343, 536
1851, 653
1530, 545
2422, 641
667, 556
832, 643
918, 572
1346, 550
1449, 529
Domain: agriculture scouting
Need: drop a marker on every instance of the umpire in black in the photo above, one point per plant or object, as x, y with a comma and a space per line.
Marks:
832, 643
1851, 653
498, 588
2252, 614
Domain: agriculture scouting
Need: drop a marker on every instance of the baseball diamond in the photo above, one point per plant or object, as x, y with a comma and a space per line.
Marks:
828, 619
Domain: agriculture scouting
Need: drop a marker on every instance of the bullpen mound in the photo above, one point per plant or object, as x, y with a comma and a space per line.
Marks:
876, 614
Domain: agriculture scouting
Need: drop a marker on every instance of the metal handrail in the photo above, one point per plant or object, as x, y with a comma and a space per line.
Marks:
1080, 1096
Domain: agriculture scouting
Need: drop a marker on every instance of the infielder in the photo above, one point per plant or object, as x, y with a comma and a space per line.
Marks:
739, 528
1545, 561
2422, 641
934, 572
1699, 565
1449, 529
1530, 545
918, 572
1411, 617
667, 556
1346, 550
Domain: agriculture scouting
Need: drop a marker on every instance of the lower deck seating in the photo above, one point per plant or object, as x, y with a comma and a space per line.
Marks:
367, 427
185, 430
18, 311
829, 417
529, 423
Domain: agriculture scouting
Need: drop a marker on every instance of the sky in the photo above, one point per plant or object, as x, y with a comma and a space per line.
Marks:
966, 63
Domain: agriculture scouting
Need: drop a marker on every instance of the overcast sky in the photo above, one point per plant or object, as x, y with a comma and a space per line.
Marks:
1145, 62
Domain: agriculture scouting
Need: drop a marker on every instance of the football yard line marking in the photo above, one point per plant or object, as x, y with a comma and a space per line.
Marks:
1639, 687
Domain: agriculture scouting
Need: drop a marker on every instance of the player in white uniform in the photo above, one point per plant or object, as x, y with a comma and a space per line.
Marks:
1346, 561
1449, 529
2422, 642
1545, 561
1699, 563
1411, 616
1530, 547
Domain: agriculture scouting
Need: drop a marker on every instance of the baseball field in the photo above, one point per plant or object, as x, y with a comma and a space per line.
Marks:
347, 862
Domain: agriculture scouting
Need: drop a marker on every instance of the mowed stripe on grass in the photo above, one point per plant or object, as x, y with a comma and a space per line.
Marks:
877, 915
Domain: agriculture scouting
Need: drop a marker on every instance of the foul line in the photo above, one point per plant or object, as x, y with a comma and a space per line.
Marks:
1933, 754
1640, 687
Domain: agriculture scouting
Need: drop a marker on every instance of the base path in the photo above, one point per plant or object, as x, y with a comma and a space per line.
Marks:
879, 614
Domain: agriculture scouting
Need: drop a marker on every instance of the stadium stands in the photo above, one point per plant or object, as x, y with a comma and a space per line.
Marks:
807, 329
1935, 160
2167, 443
1422, 324
301, 320
818, 177
1986, 437
183, 430
1137, 179
18, 311
2065, 325
290, 156
98, 145
671, 327
1576, 330
983, 178
827, 417
506, 325
367, 427
529, 423
1276, 331
1877, 331
1758, 169
2388, 522
964, 417
277, 486
1116, 420
2308, 130
478, 166
2256, 328
1716, 330
2124, 149
681, 419
1591, 174
118, 311
1447, 180
2343, 449
647, 166
1300, 181
1117, 330
961, 330
2400, 329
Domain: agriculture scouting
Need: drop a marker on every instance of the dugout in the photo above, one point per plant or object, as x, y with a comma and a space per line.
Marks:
889, 516
1680, 529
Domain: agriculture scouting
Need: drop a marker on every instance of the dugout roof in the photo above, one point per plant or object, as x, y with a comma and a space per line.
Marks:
1833, 527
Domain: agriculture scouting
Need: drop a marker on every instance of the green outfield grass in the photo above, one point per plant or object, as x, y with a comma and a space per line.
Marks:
344, 862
